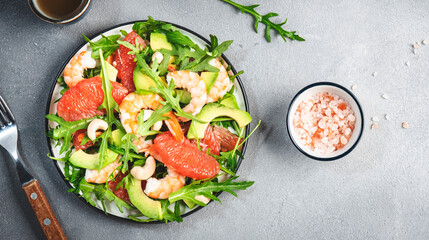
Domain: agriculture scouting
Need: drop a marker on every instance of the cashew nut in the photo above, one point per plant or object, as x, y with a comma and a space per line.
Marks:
202, 198
157, 126
145, 172
146, 114
158, 57
96, 124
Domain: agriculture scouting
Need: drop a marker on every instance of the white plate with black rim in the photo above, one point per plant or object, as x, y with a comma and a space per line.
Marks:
54, 94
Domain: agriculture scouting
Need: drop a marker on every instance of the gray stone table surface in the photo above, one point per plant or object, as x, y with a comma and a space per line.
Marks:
379, 191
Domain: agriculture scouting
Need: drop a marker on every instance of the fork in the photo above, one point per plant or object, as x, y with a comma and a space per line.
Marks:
35, 195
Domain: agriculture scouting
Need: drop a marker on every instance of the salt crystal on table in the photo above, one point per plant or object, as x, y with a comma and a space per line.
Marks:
425, 42
375, 119
405, 125
408, 63
374, 74
385, 96
387, 117
416, 45
374, 126
353, 87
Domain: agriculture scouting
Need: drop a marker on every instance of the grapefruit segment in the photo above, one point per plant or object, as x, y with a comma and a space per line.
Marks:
125, 62
184, 157
83, 100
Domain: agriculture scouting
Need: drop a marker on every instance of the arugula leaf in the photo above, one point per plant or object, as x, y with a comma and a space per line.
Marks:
206, 189
230, 158
101, 193
66, 129
110, 105
232, 78
177, 37
107, 44
168, 215
157, 115
265, 19
63, 159
122, 152
91, 72
134, 49
151, 25
127, 144
165, 92
124, 33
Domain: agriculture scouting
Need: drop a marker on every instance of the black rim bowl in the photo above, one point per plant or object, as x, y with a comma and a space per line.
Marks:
72, 18
48, 105
289, 114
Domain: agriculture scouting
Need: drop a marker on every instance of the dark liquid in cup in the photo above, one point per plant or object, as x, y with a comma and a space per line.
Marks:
59, 9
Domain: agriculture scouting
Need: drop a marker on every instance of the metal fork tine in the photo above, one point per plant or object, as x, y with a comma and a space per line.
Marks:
4, 109
3, 120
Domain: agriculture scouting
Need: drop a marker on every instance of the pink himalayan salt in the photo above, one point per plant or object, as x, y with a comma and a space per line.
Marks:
324, 123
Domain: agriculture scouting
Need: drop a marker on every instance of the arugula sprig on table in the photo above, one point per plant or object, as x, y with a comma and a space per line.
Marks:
265, 19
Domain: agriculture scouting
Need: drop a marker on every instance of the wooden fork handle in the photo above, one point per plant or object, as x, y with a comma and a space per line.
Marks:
40, 205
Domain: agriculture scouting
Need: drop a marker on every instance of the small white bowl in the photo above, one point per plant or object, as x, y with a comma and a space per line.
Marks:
343, 93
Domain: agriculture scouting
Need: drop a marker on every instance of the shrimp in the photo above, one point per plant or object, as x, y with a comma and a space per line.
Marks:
94, 176
222, 84
73, 73
192, 82
161, 188
130, 109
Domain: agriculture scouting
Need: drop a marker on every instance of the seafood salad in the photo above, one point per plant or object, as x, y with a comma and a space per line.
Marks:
147, 121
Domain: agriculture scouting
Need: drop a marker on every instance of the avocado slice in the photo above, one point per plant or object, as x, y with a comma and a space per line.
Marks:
209, 78
159, 41
185, 96
189, 203
230, 101
149, 207
142, 81
214, 110
112, 72
90, 161
116, 139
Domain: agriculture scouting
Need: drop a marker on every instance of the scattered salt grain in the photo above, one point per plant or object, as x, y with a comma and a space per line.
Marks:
415, 51
353, 87
374, 74
387, 117
405, 125
425, 42
374, 126
408, 63
416, 45
385, 96
375, 119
